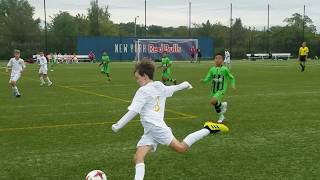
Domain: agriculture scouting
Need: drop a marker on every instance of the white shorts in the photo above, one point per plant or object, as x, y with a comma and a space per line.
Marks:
227, 60
156, 135
43, 70
14, 77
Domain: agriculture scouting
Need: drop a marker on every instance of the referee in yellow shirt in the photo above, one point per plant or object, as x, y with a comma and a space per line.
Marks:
303, 54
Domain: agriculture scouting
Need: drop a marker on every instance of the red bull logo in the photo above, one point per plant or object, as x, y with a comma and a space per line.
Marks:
174, 48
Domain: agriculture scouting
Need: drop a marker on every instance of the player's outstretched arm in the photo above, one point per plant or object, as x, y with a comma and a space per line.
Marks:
174, 88
9, 65
123, 121
232, 80
208, 77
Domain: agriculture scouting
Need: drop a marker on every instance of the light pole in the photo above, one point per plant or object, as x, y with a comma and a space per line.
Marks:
230, 30
189, 19
135, 26
45, 26
304, 22
145, 18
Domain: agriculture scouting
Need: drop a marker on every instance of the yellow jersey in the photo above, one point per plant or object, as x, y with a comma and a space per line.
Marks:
303, 51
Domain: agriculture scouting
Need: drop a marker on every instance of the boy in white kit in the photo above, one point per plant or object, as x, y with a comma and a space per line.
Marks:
43, 71
227, 58
17, 65
149, 102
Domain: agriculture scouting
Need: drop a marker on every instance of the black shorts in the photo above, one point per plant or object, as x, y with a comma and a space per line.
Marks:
303, 58
192, 55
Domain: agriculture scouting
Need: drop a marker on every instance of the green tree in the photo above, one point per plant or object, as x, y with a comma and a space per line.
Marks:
99, 21
297, 21
63, 33
82, 24
18, 28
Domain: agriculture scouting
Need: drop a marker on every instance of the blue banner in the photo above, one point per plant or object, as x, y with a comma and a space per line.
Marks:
124, 48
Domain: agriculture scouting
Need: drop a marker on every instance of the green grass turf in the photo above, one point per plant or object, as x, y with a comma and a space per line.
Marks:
63, 132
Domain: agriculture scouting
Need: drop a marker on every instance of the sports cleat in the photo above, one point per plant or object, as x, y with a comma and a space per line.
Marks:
50, 84
221, 118
18, 95
215, 128
42, 84
224, 107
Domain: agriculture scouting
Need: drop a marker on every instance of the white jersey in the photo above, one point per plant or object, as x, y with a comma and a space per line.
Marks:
149, 101
42, 61
227, 56
16, 65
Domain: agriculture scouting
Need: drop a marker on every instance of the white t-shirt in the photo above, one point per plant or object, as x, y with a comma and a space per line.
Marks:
16, 65
42, 61
227, 54
149, 101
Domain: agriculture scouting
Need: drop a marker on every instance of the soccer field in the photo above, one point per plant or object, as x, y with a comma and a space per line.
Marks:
63, 132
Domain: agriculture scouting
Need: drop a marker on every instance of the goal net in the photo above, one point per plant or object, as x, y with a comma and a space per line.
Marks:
177, 49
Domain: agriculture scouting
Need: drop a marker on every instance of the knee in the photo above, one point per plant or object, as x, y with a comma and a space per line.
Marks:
182, 150
138, 159
213, 102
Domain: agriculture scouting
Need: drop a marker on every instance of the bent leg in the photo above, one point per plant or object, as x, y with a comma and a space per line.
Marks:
192, 138
179, 147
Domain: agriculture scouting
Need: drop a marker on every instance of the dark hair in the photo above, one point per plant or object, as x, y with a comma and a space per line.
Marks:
145, 67
219, 54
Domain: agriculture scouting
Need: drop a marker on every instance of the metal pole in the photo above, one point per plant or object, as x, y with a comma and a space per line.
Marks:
97, 18
230, 43
304, 21
135, 26
268, 30
145, 18
45, 26
189, 19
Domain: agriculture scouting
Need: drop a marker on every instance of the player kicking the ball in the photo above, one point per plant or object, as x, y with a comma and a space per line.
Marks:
43, 71
219, 76
17, 65
149, 101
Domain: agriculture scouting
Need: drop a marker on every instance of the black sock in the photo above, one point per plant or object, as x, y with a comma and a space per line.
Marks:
302, 66
218, 107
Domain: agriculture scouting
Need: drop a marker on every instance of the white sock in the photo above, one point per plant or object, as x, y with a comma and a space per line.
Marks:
15, 89
140, 169
41, 80
196, 136
48, 80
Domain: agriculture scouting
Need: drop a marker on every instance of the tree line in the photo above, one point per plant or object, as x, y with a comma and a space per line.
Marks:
18, 29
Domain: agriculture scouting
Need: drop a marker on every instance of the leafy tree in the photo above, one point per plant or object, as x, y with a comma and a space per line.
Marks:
63, 32
82, 24
18, 28
99, 21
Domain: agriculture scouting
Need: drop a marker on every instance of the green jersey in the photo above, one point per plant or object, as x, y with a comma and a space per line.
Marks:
219, 77
105, 59
165, 61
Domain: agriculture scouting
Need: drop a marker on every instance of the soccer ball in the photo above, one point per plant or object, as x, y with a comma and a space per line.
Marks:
96, 175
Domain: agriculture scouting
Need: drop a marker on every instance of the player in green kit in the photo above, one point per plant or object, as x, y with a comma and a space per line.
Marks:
219, 76
104, 65
166, 65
